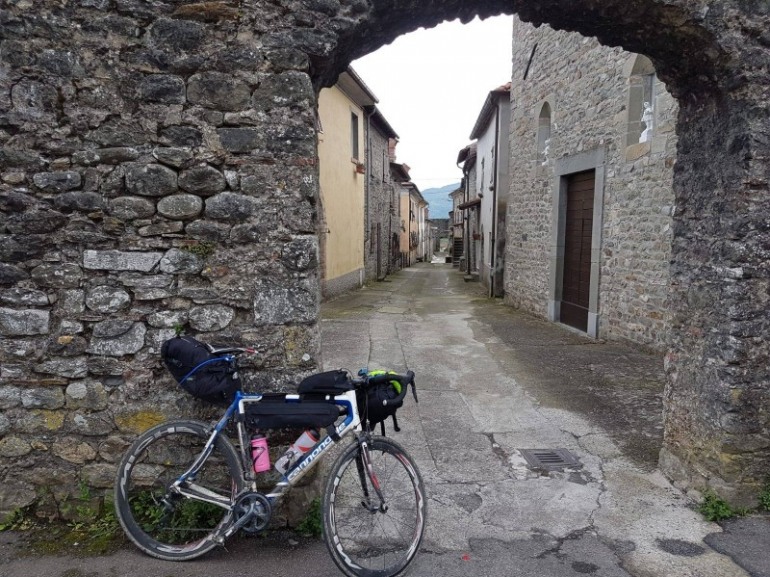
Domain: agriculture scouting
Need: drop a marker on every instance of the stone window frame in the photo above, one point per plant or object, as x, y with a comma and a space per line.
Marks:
563, 167
641, 75
544, 123
538, 158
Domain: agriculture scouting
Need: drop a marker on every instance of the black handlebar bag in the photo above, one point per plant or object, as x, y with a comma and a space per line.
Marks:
212, 378
376, 404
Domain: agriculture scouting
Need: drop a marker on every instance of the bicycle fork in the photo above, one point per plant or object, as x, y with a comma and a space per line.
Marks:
366, 471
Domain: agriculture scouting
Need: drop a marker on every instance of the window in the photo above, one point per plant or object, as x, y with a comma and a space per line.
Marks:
354, 135
544, 134
385, 167
641, 101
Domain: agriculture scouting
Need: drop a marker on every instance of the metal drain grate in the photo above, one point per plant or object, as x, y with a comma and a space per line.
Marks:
549, 459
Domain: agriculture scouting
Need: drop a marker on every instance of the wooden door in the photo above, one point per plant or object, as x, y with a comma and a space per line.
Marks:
576, 287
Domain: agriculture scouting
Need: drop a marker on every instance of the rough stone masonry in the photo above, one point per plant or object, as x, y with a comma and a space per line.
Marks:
158, 171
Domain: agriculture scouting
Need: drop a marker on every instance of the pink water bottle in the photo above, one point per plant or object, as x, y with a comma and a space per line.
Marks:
259, 454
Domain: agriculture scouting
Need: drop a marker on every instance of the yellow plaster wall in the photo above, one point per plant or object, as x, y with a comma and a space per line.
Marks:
342, 189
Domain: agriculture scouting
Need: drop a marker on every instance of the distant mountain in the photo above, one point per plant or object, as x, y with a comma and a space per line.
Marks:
438, 198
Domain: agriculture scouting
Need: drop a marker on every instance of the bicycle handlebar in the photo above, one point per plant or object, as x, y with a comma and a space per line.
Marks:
404, 380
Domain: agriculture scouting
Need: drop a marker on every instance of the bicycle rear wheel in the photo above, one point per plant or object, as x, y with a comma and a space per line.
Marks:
164, 524
366, 539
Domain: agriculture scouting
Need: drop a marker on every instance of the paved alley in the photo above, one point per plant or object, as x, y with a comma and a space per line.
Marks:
493, 382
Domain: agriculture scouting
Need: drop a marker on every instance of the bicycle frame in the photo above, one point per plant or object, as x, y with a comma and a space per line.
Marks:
185, 485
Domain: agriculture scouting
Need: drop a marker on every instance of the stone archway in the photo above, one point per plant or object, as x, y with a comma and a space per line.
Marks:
714, 61
158, 168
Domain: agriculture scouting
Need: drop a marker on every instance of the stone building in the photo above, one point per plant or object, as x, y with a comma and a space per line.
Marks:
359, 203
413, 240
441, 233
158, 169
590, 211
383, 218
456, 218
470, 207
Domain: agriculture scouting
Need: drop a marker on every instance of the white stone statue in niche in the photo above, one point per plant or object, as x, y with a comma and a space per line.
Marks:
546, 147
647, 121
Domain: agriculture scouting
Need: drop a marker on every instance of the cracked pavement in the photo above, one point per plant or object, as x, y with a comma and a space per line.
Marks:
491, 382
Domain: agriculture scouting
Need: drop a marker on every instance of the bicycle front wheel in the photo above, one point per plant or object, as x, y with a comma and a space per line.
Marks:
366, 536
162, 523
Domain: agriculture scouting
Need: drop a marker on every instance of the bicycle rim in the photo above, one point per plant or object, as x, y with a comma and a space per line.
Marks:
374, 543
167, 525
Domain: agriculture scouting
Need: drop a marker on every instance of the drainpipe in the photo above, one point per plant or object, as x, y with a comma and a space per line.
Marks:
390, 226
467, 228
409, 228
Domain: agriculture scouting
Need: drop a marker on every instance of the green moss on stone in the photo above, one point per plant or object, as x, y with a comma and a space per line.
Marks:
139, 421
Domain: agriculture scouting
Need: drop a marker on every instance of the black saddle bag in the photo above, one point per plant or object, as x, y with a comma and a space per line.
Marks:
212, 378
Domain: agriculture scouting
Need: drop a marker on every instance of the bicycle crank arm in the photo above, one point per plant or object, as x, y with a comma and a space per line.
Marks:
252, 512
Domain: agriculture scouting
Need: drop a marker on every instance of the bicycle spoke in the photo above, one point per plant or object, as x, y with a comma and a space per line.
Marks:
383, 541
157, 518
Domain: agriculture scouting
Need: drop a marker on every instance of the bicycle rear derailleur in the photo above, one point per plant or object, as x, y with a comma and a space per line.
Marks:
252, 512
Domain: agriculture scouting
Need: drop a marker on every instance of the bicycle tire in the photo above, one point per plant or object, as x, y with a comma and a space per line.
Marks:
374, 544
186, 529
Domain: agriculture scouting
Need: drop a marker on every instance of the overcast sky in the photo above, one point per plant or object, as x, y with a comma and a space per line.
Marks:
431, 85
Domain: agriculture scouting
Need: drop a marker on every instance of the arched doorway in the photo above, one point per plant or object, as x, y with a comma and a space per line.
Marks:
717, 390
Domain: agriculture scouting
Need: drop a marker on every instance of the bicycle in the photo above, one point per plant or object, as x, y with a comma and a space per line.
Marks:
183, 488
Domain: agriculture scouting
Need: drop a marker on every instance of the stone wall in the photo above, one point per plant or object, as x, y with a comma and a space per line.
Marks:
586, 87
381, 205
158, 173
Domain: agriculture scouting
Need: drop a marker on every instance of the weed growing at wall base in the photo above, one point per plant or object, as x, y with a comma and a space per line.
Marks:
714, 508
16, 521
764, 497
94, 533
312, 524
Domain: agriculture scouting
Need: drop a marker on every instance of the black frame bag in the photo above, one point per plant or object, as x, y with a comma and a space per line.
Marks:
206, 376
275, 411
